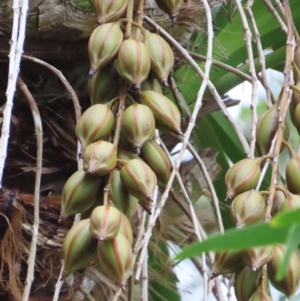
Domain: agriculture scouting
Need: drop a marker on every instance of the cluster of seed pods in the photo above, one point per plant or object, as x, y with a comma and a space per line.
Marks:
117, 137
256, 267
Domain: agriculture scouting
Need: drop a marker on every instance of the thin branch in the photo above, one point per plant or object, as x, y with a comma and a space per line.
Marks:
248, 37
35, 227
281, 8
276, 15
86, 294
284, 102
224, 66
211, 87
58, 284
145, 279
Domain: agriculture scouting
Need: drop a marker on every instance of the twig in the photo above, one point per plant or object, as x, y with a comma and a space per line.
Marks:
145, 279
58, 284
35, 227
248, 36
279, 5
16, 49
276, 15
284, 102
211, 87
86, 294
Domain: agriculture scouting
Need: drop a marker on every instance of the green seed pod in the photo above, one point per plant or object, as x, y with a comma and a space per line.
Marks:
292, 174
266, 129
125, 155
258, 256
104, 44
291, 202
100, 158
115, 258
247, 208
242, 176
104, 85
126, 229
162, 57
279, 198
158, 161
79, 194
134, 62
105, 222
260, 295
171, 7
79, 247
167, 115
227, 262
138, 125
139, 179
290, 283
294, 103
109, 10
95, 124
246, 283
123, 200
151, 83
296, 115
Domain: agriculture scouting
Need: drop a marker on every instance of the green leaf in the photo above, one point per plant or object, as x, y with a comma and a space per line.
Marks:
286, 218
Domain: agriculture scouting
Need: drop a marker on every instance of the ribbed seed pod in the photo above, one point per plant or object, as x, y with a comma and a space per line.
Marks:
290, 283
247, 208
109, 10
115, 258
103, 45
291, 202
104, 85
79, 194
138, 125
227, 262
79, 247
167, 115
125, 155
292, 174
126, 229
246, 282
242, 176
122, 199
158, 161
134, 62
296, 119
171, 7
260, 295
95, 124
105, 222
266, 129
162, 57
258, 256
294, 103
100, 158
139, 179
151, 83
278, 200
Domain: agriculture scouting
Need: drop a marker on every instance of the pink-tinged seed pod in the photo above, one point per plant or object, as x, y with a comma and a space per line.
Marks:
171, 7
79, 247
260, 295
104, 85
158, 161
121, 198
95, 124
246, 283
242, 176
258, 256
227, 262
105, 222
115, 259
290, 282
138, 125
126, 229
291, 202
247, 208
103, 45
79, 194
167, 115
162, 57
109, 10
134, 62
100, 158
139, 179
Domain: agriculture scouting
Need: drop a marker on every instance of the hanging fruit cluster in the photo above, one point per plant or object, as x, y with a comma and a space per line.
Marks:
254, 268
128, 65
